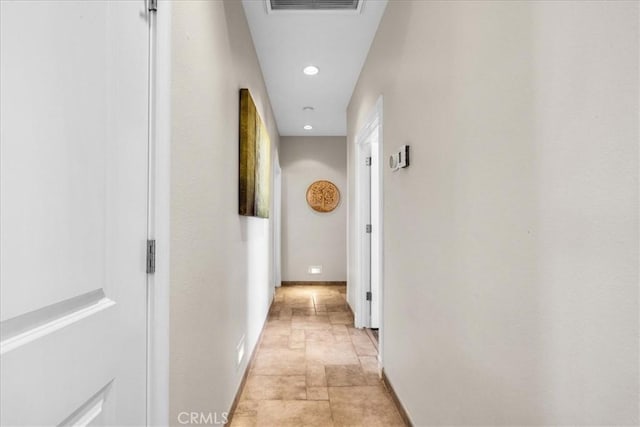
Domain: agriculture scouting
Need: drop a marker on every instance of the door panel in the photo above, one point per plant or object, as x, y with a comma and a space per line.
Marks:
365, 217
73, 214
374, 205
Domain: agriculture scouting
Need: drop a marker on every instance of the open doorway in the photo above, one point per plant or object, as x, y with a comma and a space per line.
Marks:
277, 221
370, 227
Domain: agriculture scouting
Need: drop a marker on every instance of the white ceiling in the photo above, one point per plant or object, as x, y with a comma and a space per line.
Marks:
337, 42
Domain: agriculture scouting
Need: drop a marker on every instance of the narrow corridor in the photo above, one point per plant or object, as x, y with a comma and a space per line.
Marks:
312, 367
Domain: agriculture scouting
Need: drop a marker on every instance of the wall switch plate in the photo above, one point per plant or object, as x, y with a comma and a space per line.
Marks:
403, 156
399, 159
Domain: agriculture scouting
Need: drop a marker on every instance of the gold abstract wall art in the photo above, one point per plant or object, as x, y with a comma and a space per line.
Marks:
255, 160
323, 196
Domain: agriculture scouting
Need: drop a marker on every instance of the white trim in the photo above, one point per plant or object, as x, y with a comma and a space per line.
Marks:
363, 239
151, 198
277, 221
373, 123
158, 283
54, 325
381, 165
91, 414
89, 410
377, 173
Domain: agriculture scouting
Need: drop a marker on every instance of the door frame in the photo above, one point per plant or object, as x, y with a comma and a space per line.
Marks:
158, 284
363, 217
373, 123
277, 221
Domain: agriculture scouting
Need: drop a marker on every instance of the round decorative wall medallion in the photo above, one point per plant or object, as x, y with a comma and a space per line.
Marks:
323, 196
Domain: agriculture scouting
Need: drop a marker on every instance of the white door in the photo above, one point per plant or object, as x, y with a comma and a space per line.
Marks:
73, 215
376, 224
366, 230
369, 189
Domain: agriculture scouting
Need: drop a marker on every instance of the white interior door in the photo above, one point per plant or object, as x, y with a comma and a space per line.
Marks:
366, 230
73, 215
376, 234
370, 254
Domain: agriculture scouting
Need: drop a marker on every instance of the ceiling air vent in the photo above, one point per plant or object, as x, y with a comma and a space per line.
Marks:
314, 4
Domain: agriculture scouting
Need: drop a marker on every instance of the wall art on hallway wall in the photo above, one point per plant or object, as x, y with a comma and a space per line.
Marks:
255, 160
323, 196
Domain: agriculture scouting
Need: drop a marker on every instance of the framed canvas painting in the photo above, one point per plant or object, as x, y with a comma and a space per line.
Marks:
255, 160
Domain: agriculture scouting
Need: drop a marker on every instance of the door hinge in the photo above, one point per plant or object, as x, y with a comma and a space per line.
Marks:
369, 228
368, 295
151, 256
153, 5
367, 161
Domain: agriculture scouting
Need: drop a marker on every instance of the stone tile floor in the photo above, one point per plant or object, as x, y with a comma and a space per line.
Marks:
313, 368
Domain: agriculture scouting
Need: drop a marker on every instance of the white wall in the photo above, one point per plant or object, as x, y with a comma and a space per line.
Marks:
220, 262
310, 237
511, 242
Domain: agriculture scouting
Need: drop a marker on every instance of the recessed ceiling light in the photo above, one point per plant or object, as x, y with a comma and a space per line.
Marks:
308, 108
308, 127
311, 70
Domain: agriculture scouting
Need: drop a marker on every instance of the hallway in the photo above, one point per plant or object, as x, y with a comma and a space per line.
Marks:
204, 204
312, 367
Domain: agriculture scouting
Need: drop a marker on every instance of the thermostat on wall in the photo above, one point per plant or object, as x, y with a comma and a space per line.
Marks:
399, 159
